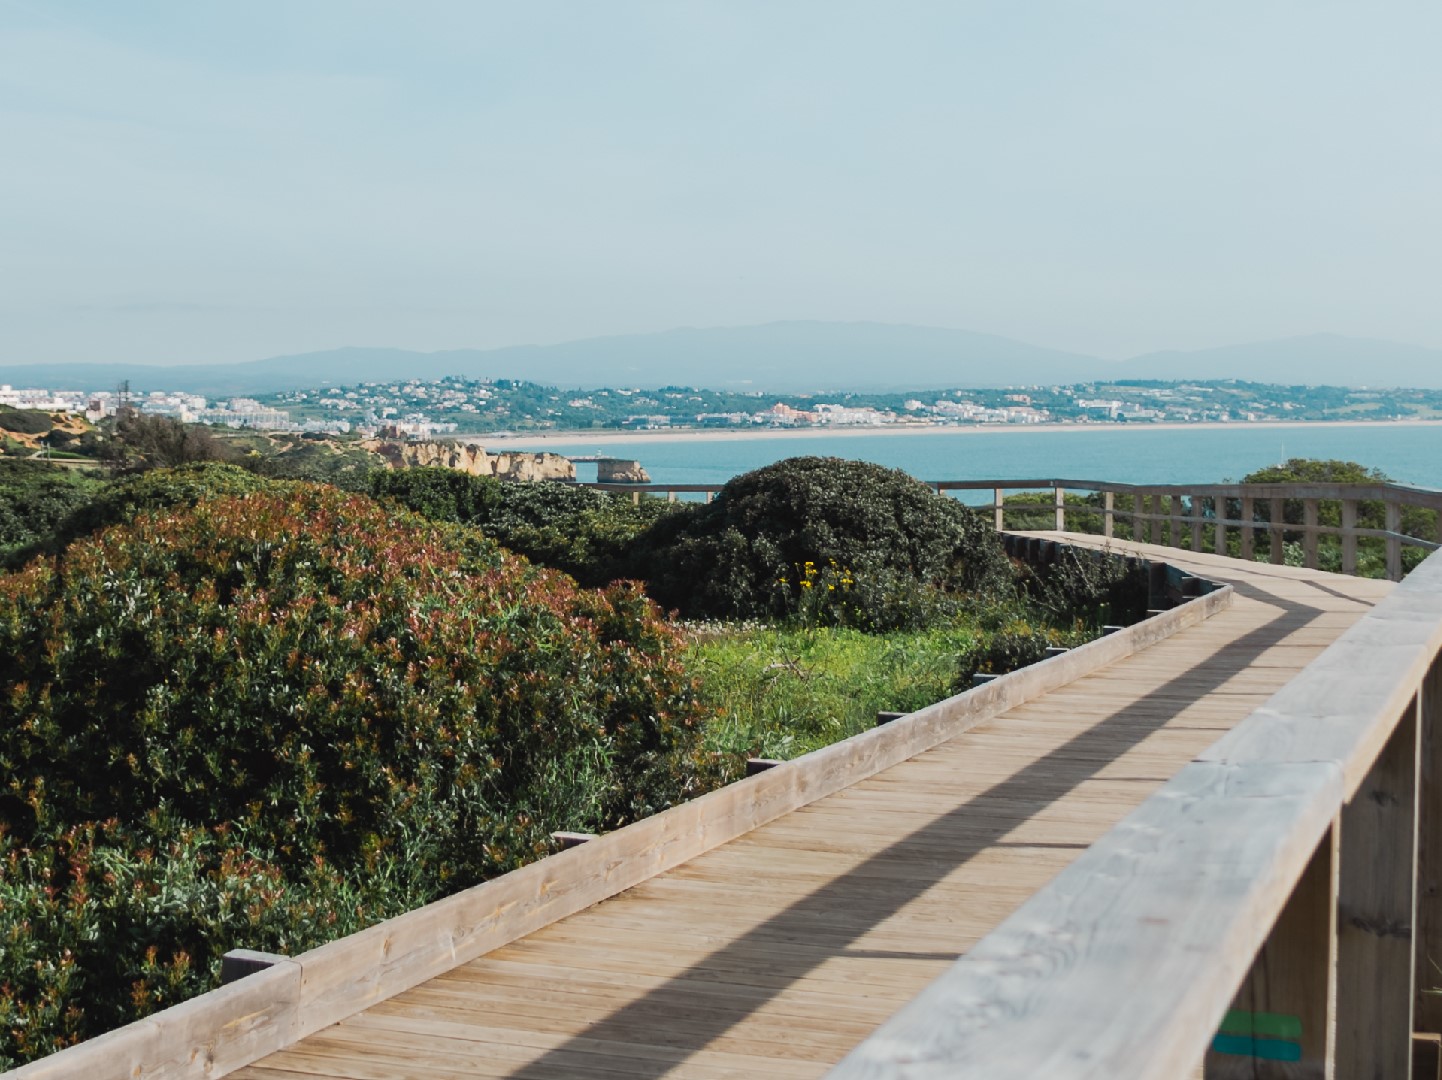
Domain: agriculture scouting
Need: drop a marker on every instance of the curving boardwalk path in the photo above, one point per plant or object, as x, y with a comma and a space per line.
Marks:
774, 954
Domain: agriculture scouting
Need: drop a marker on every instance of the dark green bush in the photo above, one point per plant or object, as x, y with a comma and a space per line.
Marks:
140, 441
731, 557
104, 924
25, 421
1014, 644
1087, 590
319, 679
586, 533
35, 499
121, 499
348, 467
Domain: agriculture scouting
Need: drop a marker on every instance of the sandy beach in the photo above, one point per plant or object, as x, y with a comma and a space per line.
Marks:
610, 437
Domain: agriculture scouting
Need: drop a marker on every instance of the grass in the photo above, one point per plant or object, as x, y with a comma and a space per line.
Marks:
781, 692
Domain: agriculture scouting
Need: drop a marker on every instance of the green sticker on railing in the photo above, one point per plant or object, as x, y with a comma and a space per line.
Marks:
1267, 1049
1268, 1025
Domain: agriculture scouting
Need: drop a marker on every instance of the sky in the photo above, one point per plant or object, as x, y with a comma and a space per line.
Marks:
193, 183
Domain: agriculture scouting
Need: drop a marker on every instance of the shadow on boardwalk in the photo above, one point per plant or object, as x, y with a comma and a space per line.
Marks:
683, 1017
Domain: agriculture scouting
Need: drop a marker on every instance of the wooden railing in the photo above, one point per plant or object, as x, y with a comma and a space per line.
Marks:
1197, 517
1274, 910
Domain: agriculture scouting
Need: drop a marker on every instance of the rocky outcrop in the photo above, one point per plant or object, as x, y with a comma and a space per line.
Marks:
472, 458
620, 471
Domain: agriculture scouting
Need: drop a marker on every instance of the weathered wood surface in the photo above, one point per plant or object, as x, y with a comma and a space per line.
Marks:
776, 953
1128, 960
1375, 913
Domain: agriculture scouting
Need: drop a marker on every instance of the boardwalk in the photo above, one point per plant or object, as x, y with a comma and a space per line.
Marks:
776, 953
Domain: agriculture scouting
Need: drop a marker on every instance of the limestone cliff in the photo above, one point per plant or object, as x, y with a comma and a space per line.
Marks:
472, 458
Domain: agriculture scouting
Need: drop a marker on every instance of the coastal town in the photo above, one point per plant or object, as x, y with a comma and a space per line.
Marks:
427, 409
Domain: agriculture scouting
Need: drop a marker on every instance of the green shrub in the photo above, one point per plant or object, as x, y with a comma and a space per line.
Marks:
318, 679
25, 421
104, 925
345, 466
308, 666
729, 558
35, 499
122, 498
586, 533
1087, 590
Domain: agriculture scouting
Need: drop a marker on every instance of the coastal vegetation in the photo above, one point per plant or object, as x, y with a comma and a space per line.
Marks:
244, 711
267, 718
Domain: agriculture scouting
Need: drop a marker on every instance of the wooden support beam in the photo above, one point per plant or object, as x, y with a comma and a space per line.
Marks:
1249, 532
1279, 1023
1309, 536
569, 840
998, 509
1426, 1056
1349, 536
1375, 897
1174, 523
1194, 511
1278, 516
1394, 545
1219, 507
1427, 1003
1059, 506
1156, 586
1154, 503
1109, 505
238, 963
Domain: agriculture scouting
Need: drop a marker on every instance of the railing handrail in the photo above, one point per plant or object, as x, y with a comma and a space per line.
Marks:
1413, 496
1271, 499
1125, 964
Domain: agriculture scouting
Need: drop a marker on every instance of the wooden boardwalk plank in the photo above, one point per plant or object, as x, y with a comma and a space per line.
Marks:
776, 953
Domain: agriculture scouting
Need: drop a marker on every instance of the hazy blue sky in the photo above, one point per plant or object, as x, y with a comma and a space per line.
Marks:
186, 181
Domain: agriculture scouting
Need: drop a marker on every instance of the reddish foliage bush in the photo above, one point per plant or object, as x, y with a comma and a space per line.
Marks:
325, 681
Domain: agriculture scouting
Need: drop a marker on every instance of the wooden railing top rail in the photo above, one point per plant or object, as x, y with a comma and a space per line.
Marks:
1412, 496
1125, 964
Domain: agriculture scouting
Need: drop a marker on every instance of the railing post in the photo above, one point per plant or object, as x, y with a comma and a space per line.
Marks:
1280, 1021
998, 510
1174, 521
1394, 544
1375, 896
1249, 532
1059, 501
1195, 513
1427, 1002
1156, 512
1278, 516
1109, 505
1309, 537
1219, 507
1349, 536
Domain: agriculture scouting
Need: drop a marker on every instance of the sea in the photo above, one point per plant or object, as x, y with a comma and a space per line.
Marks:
1410, 453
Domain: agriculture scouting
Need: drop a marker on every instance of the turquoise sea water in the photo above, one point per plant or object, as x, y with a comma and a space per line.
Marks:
1409, 453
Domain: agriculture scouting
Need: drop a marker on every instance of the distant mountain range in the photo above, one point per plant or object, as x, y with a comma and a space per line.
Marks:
784, 356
